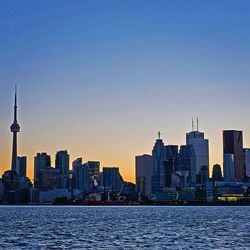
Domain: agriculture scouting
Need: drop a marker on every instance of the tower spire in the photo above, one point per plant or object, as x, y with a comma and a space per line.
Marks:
159, 135
192, 124
197, 124
15, 128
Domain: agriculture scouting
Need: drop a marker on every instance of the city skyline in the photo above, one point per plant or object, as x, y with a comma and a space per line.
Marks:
194, 132
100, 79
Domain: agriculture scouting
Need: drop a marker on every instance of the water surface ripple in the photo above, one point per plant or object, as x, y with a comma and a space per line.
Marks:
49, 227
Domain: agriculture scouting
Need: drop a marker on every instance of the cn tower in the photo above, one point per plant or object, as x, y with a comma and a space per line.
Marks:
14, 128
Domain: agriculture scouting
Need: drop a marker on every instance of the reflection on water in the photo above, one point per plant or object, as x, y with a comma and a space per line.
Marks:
125, 227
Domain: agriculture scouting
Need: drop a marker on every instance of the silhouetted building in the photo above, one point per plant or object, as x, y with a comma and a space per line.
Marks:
112, 179
11, 183
229, 167
247, 161
15, 128
41, 161
80, 176
203, 175
21, 165
144, 172
62, 163
187, 162
159, 169
201, 148
233, 144
170, 163
51, 178
217, 174
94, 171
128, 190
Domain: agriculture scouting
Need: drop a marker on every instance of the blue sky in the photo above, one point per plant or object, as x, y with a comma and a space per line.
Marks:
100, 78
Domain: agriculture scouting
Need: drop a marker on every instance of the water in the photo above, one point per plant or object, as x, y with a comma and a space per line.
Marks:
124, 227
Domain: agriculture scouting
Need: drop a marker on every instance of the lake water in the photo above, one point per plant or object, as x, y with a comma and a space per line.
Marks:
51, 227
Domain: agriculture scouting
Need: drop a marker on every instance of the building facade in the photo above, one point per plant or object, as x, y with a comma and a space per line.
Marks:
201, 148
144, 173
233, 144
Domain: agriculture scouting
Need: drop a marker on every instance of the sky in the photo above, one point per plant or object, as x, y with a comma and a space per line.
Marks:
101, 78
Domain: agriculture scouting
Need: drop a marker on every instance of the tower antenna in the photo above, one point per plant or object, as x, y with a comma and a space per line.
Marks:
192, 124
159, 135
197, 124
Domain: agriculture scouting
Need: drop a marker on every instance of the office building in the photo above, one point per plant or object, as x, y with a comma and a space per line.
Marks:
159, 169
247, 161
80, 176
170, 163
233, 144
201, 148
94, 171
62, 163
111, 179
50, 178
41, 161
229, 167
21, 165
143, 173
217, 174
187, 162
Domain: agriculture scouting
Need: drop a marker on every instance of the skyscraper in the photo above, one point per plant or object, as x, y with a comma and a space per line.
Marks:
94, 171
80, 175
62, 163
229, 167
41, 161
112, 179
143, 173
170, 163
186, 162
201, 147
247, 161
15, 128
217, 175
21, 165
159, 169
233, 144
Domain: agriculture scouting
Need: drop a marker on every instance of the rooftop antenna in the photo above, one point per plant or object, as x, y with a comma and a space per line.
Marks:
159, 135
197, 124
192, 124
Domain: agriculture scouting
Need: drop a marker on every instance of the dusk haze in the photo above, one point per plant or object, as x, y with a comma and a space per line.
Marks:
134, 102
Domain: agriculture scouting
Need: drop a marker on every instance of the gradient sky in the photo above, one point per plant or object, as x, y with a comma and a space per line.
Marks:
100, 78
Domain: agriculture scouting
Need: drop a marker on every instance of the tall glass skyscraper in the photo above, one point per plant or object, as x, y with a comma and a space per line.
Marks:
62, 163
233, 144
159, 169
201, 148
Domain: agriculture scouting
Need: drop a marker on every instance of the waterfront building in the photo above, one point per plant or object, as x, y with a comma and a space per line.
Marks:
50, 196
62, 163
94, 171
21, 165
41, 161
229, 167
170, 163
187, 162
247, 162
111, 179
80, 176
217, 174
201, 148
233, 144
51, 178
143, 173
203, 176
159, 169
